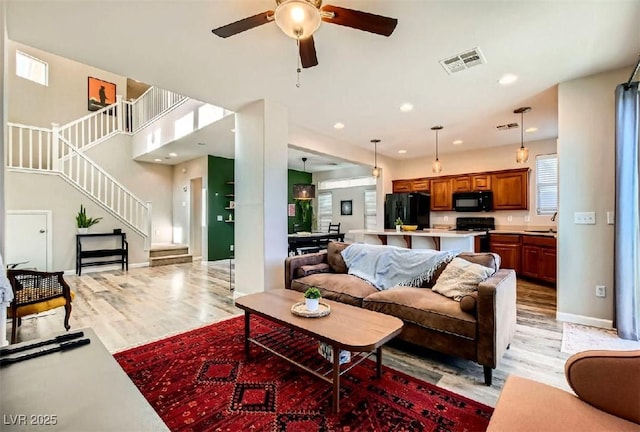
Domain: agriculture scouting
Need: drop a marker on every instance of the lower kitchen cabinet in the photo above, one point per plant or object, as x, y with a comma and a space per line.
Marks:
539, 258
508, 246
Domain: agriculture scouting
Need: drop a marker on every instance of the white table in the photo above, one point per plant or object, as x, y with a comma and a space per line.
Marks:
438, 239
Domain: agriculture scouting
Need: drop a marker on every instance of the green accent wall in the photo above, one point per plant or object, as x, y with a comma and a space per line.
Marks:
220, 235
297, 177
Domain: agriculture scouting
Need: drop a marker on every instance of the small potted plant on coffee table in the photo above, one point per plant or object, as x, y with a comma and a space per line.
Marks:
398, 224
312, 299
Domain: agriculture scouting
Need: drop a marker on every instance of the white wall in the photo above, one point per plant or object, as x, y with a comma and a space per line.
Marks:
195, 168
586, 148
3, 118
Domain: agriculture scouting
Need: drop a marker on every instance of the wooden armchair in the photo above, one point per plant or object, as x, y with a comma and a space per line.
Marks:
36, 292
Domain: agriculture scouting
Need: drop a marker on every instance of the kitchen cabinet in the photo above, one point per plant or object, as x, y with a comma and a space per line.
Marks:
481, 182
508, 246
401, 186
441, 194
539, 258
420, 185
461, 183
510, 189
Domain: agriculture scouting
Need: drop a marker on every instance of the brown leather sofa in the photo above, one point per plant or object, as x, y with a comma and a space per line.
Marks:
607, 385
478, 328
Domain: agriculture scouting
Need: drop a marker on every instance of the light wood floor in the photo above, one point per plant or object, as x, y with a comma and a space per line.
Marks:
145, 304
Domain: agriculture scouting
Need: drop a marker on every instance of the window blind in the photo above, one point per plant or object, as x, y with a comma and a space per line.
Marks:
547, 183
370, 221
325, 210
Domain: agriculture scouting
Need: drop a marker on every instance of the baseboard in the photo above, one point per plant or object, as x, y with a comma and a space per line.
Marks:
584, 320
105, 268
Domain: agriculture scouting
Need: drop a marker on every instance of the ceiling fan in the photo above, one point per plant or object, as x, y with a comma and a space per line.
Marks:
299, 19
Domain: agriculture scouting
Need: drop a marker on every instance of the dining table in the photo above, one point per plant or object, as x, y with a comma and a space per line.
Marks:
319, 240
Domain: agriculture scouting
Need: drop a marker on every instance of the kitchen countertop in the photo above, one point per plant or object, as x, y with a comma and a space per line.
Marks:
433, 232
519, 230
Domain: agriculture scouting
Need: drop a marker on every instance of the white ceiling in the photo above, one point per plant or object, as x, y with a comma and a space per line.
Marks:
362, 78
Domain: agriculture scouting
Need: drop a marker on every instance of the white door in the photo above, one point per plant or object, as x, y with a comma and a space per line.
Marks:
28, 239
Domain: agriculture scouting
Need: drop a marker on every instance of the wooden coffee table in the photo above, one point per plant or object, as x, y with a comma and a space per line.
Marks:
361, 331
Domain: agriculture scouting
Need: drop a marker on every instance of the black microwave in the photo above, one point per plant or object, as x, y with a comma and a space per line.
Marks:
473, 201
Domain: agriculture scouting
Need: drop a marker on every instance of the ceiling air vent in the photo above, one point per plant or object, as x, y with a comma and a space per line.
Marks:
507, 126
462, 61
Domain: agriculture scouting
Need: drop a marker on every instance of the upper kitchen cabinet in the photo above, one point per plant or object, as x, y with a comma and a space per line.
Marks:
420, 185
510, 189
461, 183
441, 194
401, 186
481, 182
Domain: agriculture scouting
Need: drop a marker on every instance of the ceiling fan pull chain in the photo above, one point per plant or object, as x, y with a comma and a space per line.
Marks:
298, 70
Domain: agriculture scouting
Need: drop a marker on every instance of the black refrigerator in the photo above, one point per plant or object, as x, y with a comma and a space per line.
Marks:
413, 208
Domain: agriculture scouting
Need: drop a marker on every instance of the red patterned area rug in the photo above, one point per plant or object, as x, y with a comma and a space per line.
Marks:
200, 381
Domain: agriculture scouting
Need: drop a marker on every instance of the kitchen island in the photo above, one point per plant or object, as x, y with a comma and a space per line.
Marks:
438, 239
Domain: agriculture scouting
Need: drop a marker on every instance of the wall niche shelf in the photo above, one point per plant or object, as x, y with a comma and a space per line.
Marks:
229, 208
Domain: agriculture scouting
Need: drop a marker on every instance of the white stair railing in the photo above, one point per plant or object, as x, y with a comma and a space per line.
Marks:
40, 149
152, 104
95, 127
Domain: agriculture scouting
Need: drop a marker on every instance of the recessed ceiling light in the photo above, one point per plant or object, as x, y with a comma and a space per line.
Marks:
457, 142
201, 143
338, 125
406, 107
173, 154
531, 129
157, 160
402, 151
507, 79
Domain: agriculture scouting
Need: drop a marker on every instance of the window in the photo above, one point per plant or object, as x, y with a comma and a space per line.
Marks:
547, 183
325, 210
346, 183
370, 220
32, 68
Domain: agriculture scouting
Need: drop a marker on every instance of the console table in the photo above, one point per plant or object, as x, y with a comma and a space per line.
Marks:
119, 254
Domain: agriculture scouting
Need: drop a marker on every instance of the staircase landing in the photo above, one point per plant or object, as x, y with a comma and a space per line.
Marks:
165, 254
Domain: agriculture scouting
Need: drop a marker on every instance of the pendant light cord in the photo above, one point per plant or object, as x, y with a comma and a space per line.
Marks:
299, 69
436, 144
521, 130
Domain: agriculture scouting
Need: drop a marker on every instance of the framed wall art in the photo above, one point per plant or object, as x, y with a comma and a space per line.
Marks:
346, 208
100, 94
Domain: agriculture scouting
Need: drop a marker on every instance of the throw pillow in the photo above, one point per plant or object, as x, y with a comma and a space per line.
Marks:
307, 270
334, 257
469, 303
461, 277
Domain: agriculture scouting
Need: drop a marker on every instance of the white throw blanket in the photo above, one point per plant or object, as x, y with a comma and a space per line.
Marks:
388, 266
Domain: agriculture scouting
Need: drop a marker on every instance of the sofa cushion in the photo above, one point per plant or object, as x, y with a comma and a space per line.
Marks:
334, 256
307, 270
424, 308
461, 277
469, 302
340, 287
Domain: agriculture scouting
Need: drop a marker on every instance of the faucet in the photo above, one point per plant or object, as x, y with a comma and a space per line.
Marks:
553, 218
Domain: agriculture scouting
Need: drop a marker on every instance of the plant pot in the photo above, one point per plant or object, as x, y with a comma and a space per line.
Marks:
83, 230
398, 228
311, 304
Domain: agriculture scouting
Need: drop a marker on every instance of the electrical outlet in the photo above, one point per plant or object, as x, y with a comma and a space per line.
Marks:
601, 291
219, 218
231, 248
611, 218
445, 219
509, 218
527, 218
584, 218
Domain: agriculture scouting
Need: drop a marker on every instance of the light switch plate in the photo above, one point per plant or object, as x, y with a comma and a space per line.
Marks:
219, 218
584, 218
611, 218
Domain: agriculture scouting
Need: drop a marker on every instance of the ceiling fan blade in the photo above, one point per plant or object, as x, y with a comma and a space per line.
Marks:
360, 20
243, 24
308, 53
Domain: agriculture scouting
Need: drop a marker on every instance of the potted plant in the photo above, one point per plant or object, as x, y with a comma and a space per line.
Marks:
398, 224
312, 299
83, 222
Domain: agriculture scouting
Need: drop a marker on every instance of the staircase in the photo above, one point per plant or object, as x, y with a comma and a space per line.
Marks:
165, 254
61, 150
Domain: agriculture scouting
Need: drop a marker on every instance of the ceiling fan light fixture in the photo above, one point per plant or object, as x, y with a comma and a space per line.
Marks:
298, 19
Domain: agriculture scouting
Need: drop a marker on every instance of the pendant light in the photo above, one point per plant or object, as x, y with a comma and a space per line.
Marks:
436, 167
376, 170
304, 191
522, 155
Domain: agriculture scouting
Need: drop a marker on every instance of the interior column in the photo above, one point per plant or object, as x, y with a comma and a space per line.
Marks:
260, 243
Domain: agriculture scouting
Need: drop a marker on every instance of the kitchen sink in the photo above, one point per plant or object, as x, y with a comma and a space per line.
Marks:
550, 231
